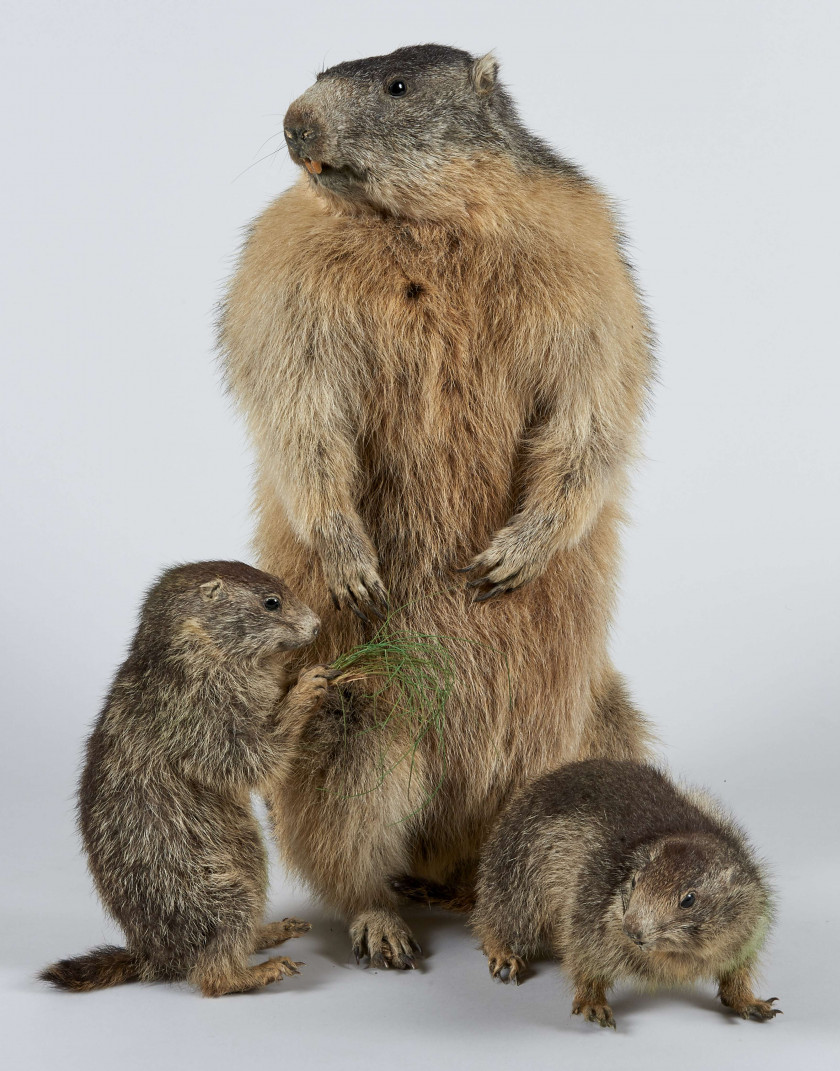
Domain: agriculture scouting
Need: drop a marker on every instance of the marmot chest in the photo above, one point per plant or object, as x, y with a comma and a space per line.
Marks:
444, 415
436, 357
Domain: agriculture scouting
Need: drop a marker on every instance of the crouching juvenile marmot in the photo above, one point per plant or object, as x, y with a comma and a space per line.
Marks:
443, 361
619, 874
195, 719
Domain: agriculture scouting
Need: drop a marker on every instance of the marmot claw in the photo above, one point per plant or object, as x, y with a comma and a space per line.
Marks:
383, 939
595, 1013
363, 598
506, 968
517, 553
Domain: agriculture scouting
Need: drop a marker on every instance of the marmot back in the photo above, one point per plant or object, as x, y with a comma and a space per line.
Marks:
199, 714
618, 873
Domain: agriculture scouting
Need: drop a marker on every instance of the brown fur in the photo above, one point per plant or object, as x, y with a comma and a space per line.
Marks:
443, 361
199, 714
617, 873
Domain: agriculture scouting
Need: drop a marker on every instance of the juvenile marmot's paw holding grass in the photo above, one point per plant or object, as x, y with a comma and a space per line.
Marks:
312, 686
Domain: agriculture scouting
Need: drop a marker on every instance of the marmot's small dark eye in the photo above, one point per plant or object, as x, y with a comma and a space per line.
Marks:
398, 88
633, 883
688, 900
272, 603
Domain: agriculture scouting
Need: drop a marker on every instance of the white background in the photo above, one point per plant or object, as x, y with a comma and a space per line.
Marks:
135, 140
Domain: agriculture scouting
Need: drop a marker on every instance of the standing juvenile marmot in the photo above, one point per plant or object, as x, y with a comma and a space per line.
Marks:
617, 873
443, 361
195, 719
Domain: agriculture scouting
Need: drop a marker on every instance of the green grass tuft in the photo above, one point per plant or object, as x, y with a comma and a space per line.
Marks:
410, 677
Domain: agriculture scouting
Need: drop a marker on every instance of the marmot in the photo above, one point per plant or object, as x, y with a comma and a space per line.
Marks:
616, 872
197, 716
443, 360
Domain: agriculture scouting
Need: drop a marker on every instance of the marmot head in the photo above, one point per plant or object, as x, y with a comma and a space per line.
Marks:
240, 612
405, 133
693, 896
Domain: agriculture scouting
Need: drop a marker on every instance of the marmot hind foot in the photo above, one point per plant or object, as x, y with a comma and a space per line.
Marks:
383, 939
275, 933
505, 966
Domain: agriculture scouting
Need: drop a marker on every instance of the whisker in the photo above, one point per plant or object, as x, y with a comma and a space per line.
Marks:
254, 164
271, 138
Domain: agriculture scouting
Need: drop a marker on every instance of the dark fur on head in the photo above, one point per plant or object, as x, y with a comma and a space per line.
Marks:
221, 605
375, 146
198, 715
724, 887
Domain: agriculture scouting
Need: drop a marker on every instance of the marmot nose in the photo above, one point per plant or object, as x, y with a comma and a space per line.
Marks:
300, 138
634, 935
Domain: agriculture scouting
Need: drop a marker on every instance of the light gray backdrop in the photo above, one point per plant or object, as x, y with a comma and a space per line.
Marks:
138, 139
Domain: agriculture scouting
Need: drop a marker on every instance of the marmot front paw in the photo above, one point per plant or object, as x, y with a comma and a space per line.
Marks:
594, 1013
313, 684
352, 571
762, 1010
519, 552
361, 590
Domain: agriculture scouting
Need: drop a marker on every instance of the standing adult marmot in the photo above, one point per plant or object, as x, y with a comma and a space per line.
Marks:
443, 361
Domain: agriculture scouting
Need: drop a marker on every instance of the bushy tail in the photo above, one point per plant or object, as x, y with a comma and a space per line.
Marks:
453, 897
99, 969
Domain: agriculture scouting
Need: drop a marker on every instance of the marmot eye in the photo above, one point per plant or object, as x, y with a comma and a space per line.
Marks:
272, 603
688, 900
398, 88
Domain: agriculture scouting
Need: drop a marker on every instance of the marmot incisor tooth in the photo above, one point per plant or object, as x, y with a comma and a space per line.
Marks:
443, 361
195, 719
619, 874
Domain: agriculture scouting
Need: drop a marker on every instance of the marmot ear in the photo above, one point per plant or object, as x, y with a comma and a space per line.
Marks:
483, 74
727, 876
649, 853
211, 590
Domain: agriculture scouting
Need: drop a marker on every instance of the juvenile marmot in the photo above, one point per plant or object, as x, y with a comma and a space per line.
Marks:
443, 361
195, 719
619, 874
